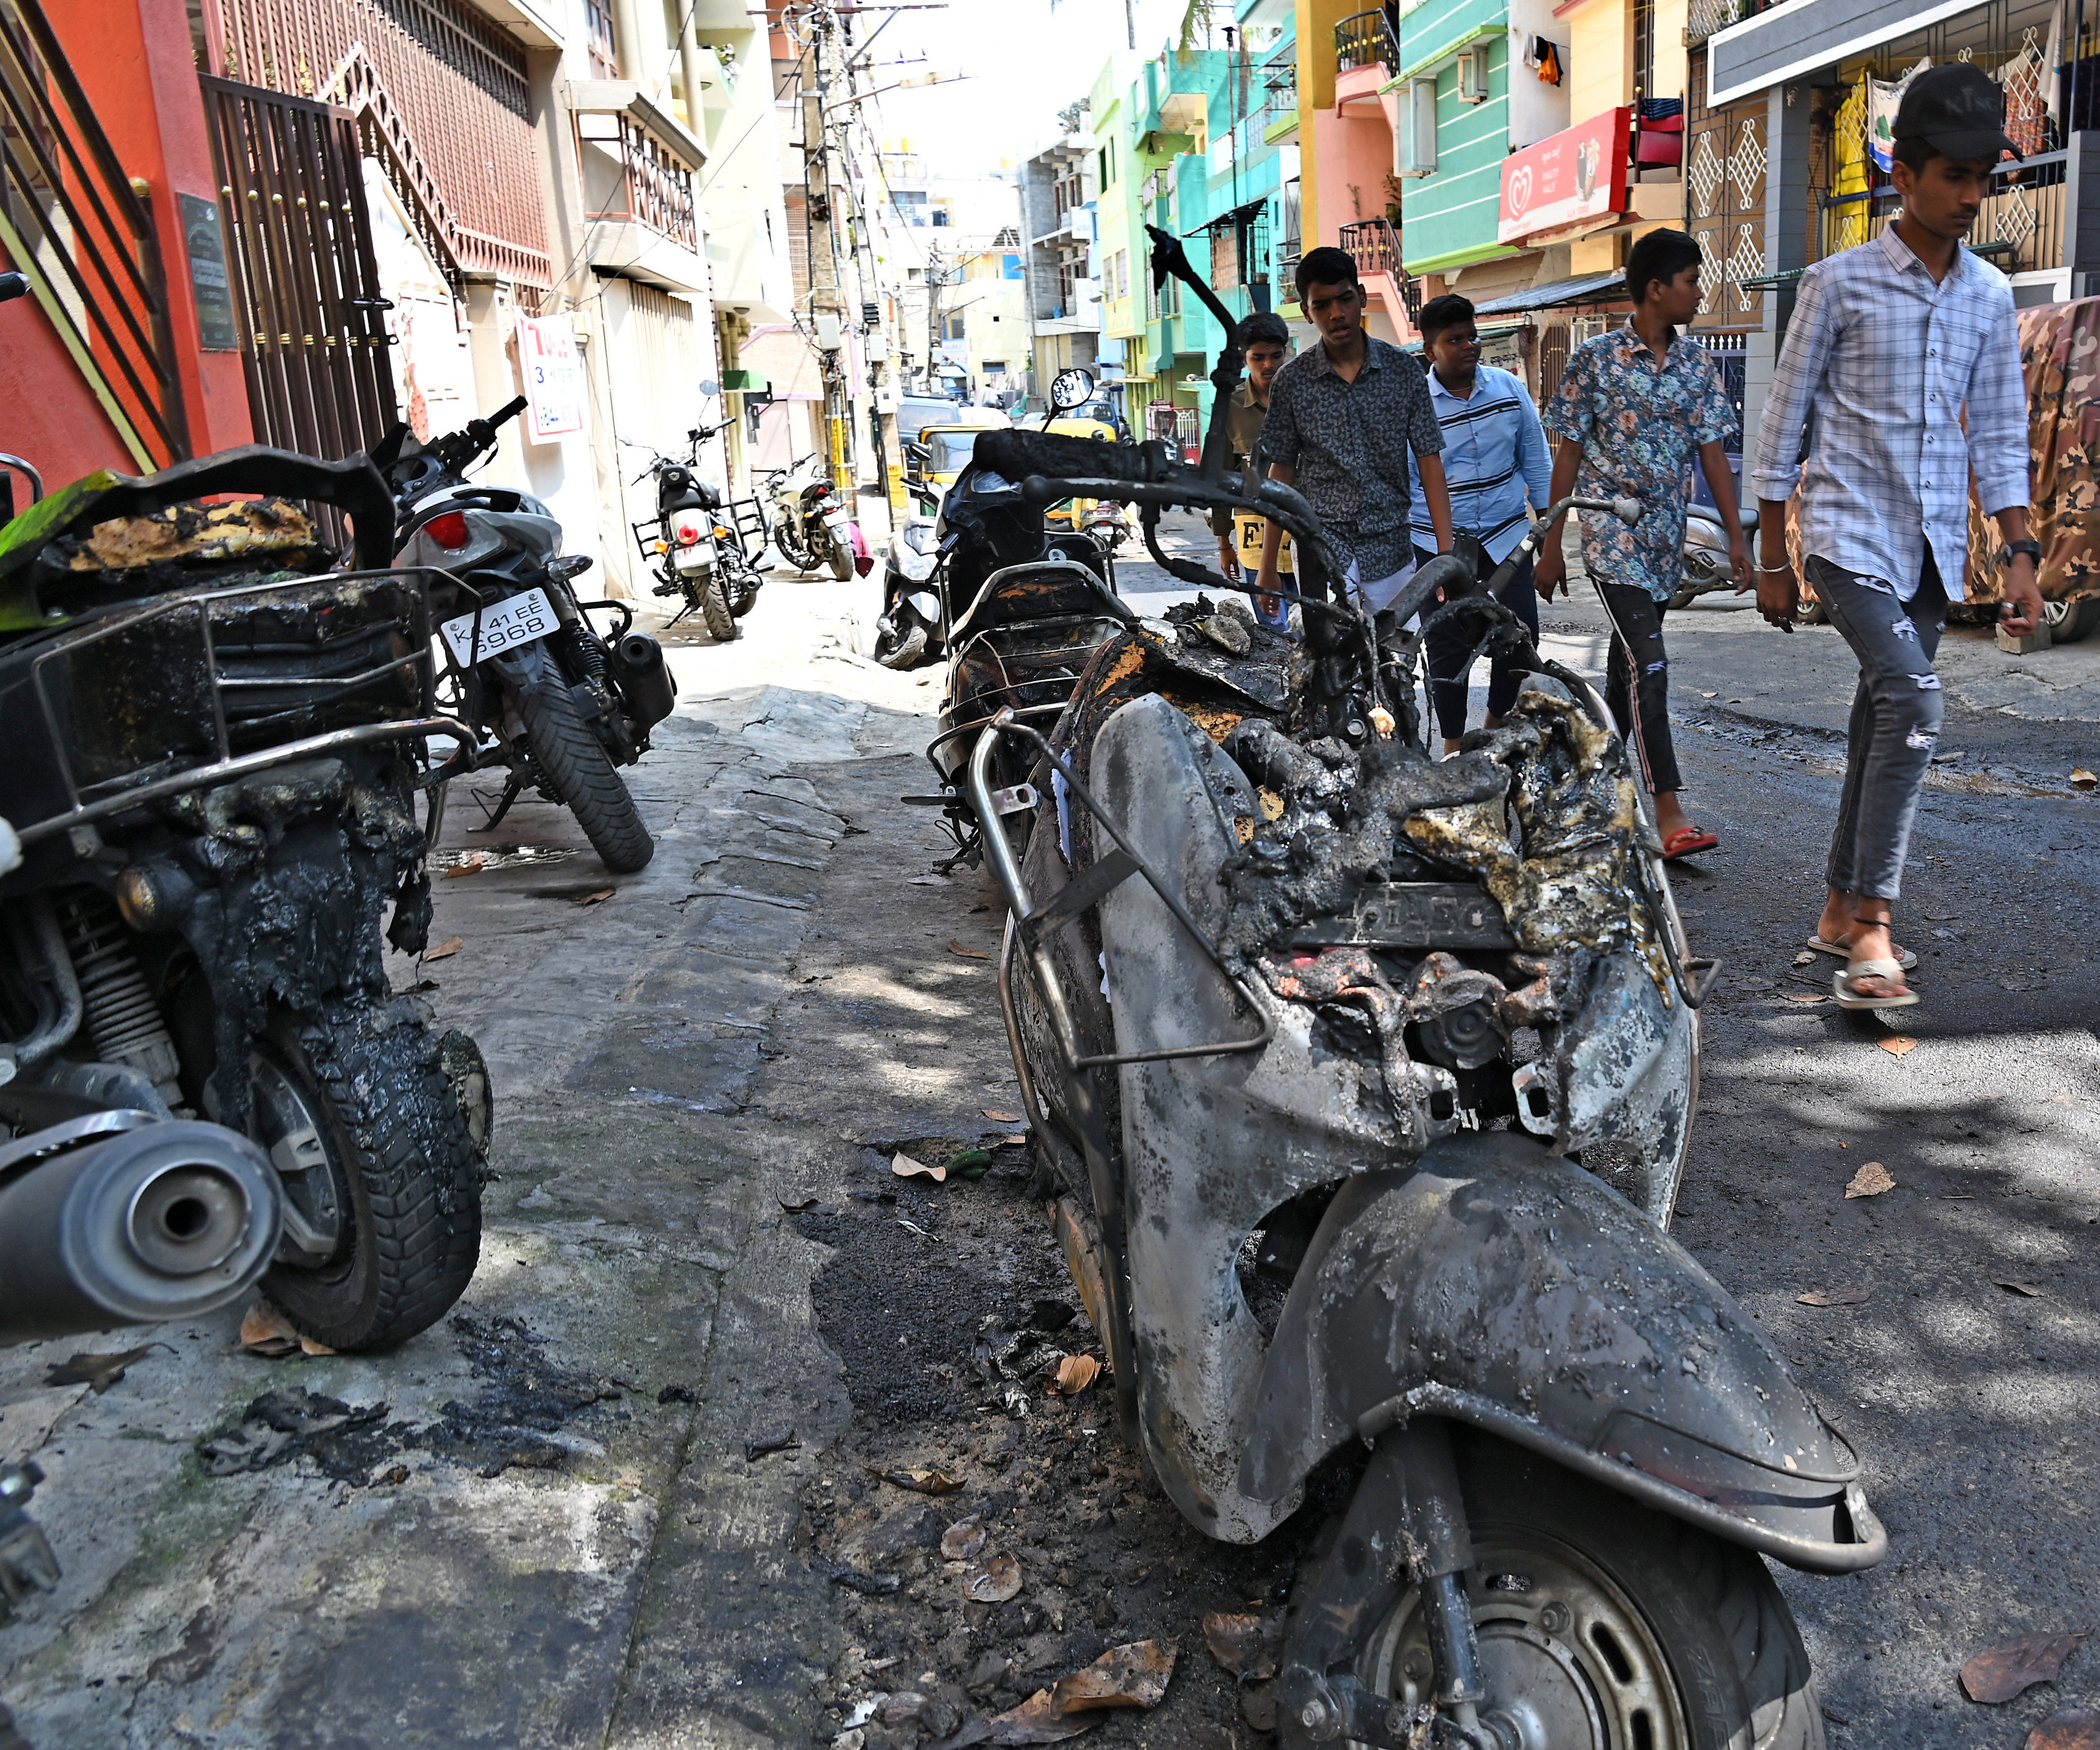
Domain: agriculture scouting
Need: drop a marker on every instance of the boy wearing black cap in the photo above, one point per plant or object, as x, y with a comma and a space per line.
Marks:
1890, 344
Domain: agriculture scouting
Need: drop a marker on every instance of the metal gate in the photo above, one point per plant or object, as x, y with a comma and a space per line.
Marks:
313, 334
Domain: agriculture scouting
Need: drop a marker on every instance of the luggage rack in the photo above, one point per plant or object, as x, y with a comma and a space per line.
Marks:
204, 724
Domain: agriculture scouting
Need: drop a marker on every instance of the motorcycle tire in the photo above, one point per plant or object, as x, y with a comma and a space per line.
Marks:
370, 1086
1602, 1623
904, 651
716, 611
583, 776
842, 560
791, 550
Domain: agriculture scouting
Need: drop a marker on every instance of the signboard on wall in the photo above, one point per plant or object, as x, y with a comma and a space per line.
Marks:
553, 375
208, 283
1576, 174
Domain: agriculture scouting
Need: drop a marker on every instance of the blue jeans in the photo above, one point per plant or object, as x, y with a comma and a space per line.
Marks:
1896, 712
1449, 649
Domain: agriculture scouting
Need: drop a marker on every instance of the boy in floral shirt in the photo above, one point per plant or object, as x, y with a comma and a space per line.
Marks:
1634, 408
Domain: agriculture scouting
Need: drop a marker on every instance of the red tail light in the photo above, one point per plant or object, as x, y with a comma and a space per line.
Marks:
688, 529
448, 531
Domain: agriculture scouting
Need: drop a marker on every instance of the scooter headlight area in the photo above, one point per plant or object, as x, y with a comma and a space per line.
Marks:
1370, 1080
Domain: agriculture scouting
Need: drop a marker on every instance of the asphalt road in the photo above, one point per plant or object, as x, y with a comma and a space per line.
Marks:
702, 1081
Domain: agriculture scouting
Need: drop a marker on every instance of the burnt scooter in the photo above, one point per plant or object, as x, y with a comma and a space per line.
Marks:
696, 541
1287, 979
562, 704
216, 744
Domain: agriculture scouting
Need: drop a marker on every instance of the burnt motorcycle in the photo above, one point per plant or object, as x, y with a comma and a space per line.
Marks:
697, 541
562, 704
1329, 1048
217, 745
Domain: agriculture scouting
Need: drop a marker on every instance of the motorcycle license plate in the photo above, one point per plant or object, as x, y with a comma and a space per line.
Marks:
692, 559
836, 520
505, 625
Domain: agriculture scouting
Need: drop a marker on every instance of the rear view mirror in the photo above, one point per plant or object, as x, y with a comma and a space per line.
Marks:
1070, 389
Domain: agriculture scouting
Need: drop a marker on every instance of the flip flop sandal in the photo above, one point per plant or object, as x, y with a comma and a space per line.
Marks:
1906, 958
1687, 841
1848, 998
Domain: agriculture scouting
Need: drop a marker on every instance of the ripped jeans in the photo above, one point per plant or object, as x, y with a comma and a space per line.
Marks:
1637, 680
1895, 720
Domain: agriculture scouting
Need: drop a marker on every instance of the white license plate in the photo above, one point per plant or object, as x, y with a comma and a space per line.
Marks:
834, 520
505, 625
702, 552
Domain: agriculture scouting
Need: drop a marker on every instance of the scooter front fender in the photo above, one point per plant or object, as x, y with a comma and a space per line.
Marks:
1497, 1286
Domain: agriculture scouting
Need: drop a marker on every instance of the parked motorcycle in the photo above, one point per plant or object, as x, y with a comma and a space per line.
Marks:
216, 748
811, 526
1287, 979
1707, 564
563, 703
697, 542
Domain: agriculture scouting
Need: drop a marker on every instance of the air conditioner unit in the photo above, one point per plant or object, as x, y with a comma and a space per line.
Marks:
1418, 139
1473, 75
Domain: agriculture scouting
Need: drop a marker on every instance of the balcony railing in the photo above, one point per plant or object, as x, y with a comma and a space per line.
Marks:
1279, 97
1374, 246
2019, 228
1704, 17
654, 188
1364, 39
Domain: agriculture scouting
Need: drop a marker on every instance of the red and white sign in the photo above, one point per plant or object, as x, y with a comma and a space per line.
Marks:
553, 375
1579, 174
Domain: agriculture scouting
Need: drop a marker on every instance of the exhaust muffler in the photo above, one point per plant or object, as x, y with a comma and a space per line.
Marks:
113, 1220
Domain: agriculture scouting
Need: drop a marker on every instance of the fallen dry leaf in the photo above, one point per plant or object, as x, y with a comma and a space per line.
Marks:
1870, 1181
446, 949
1709, 695
267, 1332
2020, 1288
1247, 1645
1804, 996
967, 954
475, 867
309, 1346
599, 898
1834, 1296
2083, 779
1134, 1675
996, 1582
922, 1482
1898, 1045
2075, 1728
1075, 1372
1806, 957
997, 1117
1033, 1722
1998, 1673
100, 1371
905, 1167
963, 1538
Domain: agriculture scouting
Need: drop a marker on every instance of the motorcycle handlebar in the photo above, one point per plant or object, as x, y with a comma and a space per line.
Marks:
13, 285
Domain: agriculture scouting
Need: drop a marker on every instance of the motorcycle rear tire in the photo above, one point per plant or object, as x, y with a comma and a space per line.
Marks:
842, 560
716, 611
1654, 1616
401, 1146
905, 652
583, 776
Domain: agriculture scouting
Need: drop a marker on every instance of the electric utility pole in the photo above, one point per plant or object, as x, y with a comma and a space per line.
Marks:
826, 191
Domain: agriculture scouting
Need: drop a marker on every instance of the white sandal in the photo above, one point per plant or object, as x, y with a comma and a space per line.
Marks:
1888, 971
1907, 958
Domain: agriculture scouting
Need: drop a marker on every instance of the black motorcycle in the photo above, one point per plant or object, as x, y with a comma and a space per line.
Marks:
216, 745
561, 704
698, 540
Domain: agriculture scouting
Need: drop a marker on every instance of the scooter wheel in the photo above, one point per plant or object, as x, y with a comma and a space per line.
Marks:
1602, 1623
904, 651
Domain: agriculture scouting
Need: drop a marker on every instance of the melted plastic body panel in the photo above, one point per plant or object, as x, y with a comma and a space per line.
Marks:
1497, 1286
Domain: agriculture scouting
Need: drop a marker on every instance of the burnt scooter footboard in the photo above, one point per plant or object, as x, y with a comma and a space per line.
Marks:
1212, 1144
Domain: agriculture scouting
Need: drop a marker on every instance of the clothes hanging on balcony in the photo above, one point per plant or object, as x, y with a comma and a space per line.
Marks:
1659, 136
1546, 59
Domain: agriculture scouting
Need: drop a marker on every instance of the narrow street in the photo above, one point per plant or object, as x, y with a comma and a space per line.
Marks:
628, 1494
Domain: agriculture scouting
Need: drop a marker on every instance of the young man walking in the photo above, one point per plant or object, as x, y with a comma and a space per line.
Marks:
1889, 345
1342, 417
1633, 408
1494, 459
1264, 340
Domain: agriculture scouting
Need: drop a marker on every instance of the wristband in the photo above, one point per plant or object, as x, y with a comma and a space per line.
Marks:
1770, 571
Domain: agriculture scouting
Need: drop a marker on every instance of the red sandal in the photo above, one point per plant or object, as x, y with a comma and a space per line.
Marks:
1687, 841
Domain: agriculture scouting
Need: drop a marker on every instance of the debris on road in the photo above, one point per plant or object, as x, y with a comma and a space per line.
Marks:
1898, 1045
2083, 779
1834, 1296
963, 1538
1132, 1675
1075, 1372
266, 1333
921, 1481
2074, 1729
599, 898
905, 1167
868, 1585
1248, 1644
279, 1426
100, 1371
2021, 1288
474, 868
1870, 1181
997, 1582
446, 949
998, 1117
1998, 1673
967, 954
779, 1440
1806, 957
